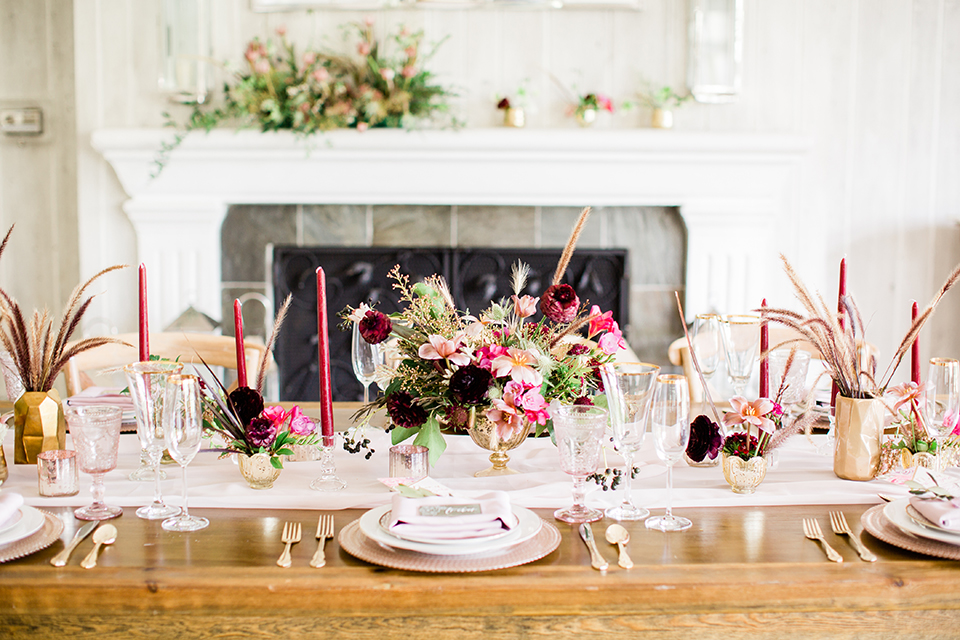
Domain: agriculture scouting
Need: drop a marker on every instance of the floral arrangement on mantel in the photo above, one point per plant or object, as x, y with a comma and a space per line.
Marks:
450, 369
588, 104
319, 91
245, 424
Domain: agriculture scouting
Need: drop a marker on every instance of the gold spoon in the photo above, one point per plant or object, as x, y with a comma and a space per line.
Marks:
619, 536
106, 534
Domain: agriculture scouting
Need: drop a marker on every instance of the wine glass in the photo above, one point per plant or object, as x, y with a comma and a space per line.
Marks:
366, 357
579, 429
741, 335
707, 343
942, 400
182, 428
629, 389
146, 382
96, 435
670, 420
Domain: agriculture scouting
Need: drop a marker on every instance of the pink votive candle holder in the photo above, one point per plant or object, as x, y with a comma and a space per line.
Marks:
57, 473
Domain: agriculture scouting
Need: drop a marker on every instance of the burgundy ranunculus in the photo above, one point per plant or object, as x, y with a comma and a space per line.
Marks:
404, 411
469, 384
583, 400
504, 103
560, 303
705, 439
375, 327
247, 403
578, 350
261, 432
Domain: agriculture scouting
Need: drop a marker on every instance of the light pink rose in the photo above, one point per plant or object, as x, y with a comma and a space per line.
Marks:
612, 341
300, 424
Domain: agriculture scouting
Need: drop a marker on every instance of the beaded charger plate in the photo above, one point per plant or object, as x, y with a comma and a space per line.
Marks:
358, 544
43, 538
876, 523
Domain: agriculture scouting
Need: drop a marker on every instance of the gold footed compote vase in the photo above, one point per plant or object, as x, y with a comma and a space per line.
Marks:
486, 435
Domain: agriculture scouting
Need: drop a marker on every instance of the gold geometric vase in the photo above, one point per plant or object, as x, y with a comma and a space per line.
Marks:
40, 425
858, 430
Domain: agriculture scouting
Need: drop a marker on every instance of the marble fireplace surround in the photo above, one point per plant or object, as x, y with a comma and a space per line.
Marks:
731, 190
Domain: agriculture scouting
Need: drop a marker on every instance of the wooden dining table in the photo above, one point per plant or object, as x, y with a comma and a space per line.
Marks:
740, 571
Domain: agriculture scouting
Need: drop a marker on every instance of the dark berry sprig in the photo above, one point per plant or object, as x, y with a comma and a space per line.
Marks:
356, 442
609, 479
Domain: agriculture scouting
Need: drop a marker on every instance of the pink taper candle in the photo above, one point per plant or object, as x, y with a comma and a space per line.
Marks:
764, 361
323, 348
144, 325
241, 352
915, 349
842, 292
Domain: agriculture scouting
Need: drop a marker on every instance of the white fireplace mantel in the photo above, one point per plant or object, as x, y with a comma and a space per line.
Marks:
731, 189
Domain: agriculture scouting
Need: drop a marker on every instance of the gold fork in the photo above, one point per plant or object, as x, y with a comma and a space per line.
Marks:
811, 529
838, 522
324, 531
290, 536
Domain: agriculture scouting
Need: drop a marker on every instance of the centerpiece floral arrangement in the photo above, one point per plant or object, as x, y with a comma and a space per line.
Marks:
911, 437
451, 369
386, 86
245, 424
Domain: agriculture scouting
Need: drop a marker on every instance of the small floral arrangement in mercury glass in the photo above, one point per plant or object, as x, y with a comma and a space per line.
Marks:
588, 104
494, 375
911, 445
246, 425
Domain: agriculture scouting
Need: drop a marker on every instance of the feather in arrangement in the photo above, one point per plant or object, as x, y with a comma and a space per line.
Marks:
38, 353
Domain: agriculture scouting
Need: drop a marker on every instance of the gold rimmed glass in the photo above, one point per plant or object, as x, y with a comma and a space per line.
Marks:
670, 424
741, 335
942, 400
707, 343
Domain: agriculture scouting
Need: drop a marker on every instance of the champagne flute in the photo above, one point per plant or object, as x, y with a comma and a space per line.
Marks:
707, 343
670, 420
741, 335
96, 435
366, 357
182, 429
629, 389
942, 401
146, 381
579, 429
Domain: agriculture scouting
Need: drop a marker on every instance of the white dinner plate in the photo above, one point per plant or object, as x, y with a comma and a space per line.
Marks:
528, 527
896, 512
385, 525
30, 523
12, 522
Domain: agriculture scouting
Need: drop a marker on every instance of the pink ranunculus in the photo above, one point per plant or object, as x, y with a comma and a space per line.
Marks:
262, 65
518, 364
526, 306
600, 321
309, 58
363, 48
321, 74
300, 424
440, 348
750, 413
408, 71
611, 342
535, 407
275, 414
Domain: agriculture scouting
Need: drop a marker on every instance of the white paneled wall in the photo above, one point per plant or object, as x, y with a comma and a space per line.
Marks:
875, 84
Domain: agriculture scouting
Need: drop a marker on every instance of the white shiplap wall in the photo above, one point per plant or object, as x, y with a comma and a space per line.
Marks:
875, 84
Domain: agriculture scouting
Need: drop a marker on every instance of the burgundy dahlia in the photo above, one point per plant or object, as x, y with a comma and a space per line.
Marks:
260, 432
404, 411
375, 327
469, 384
247, 403
457, 417
560, 303
705, 439
578, 350
583, 400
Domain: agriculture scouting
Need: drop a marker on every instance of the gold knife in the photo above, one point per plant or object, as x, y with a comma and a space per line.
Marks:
595, 558
61, 558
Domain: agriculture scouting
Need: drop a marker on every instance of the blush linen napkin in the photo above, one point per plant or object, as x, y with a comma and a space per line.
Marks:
10, 504
446, 518
944, 513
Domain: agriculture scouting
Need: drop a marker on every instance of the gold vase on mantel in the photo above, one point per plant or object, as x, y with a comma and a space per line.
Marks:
485, 434
858, 429
514, 117
39, 425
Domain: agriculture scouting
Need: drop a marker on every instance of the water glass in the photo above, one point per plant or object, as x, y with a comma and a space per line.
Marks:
741, 335
579, 430
707, 343
629, 389
409, 461
57, 473
794, 380
96, 435
365, 357
670, 420
942, 401
182, 431
146, 381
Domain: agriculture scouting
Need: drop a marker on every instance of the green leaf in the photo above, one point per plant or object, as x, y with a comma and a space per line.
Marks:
399, 434
409, 492
431, 438
276, 462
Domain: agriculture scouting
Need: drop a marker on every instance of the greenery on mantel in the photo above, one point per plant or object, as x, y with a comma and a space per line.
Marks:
386, 86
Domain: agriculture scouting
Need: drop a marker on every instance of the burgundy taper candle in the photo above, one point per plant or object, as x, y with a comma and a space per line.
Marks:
241, 352
764, 361
144, 324
323, 348
915, 348
842, 291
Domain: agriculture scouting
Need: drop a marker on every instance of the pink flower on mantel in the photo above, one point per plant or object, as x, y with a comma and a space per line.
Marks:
605, 103
518, 364
525, 306
439, 348
750, 413
300, 424
362, 126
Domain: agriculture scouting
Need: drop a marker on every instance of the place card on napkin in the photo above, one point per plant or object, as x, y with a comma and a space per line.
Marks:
452, 518
943, 512
10, 504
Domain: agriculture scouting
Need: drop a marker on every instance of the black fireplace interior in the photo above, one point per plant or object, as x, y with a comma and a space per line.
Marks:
355, 275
